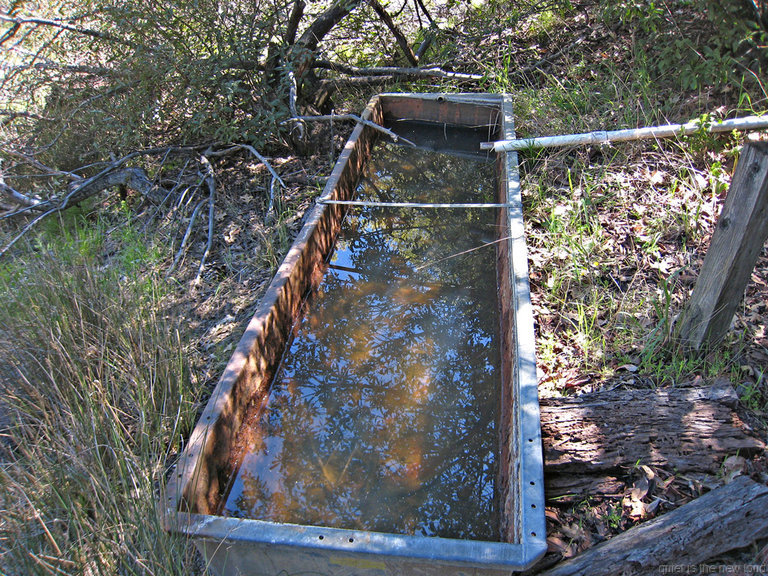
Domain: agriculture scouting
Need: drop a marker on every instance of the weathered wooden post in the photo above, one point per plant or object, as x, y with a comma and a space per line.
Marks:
739, 236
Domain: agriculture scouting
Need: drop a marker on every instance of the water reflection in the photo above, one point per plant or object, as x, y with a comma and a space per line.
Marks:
383, 415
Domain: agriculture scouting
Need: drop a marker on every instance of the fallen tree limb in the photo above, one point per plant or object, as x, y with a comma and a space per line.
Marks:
353, 118
729, 517
15, 196
591, 440
135, 178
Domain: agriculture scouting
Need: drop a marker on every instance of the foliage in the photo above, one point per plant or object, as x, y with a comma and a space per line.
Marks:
151, 73
97, 394
674, 48
96, 382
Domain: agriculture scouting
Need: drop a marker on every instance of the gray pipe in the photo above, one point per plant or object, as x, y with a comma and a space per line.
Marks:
603, 137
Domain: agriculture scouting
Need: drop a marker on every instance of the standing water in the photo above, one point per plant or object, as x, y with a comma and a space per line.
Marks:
383, 413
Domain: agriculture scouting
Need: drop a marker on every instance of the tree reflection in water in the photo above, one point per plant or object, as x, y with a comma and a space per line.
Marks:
383, 415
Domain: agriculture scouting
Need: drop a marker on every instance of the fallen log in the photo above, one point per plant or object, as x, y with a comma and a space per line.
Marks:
590, 441
729, 517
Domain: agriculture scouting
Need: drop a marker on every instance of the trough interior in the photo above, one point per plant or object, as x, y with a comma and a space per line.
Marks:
211, 457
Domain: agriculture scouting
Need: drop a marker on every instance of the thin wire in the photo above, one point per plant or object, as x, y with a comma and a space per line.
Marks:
409, 204
461, 253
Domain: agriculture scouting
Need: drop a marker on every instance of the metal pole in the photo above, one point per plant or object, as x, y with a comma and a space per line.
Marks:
607, 137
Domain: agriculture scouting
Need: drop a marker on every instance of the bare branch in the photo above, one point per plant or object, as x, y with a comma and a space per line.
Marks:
307, 43
209, 178
429, 37
135, 178
19, 21
253, 151
16, 196
431, 72
10, 33
186, 237
46, 170
357, 119
11, 115
420, 4
396, 32
293, 22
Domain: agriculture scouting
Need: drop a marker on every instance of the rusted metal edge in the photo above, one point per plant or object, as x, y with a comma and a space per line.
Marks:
326, 547
529, 501
189, 468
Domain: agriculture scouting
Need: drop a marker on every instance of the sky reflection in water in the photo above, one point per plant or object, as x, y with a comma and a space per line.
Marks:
383, 414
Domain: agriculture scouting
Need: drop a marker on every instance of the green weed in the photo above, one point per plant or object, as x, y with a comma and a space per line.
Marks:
98, 394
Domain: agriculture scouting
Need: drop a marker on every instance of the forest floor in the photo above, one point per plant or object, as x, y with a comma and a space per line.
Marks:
616, 234
616, 238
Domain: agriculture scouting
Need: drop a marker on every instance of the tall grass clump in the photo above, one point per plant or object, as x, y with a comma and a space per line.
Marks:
95, 397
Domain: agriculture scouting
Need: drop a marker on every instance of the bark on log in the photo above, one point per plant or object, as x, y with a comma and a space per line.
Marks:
591, 440
730, 517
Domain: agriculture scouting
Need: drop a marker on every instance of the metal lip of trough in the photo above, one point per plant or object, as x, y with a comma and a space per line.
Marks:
245, 546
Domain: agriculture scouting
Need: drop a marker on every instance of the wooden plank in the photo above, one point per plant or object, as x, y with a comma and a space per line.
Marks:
736, 243
730, 517
590, 440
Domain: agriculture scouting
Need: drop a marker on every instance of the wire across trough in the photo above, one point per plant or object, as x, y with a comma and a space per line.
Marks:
203, 475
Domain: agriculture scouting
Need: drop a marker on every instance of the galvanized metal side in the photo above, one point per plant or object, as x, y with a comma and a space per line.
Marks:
525, 500
242, 546
255, 547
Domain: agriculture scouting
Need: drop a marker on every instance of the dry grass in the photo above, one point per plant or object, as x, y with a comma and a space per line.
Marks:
97, 396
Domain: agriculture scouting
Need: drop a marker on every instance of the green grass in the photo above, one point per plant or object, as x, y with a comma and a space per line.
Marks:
617, 233
98, 390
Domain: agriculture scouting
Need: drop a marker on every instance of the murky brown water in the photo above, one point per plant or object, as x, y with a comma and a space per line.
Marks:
383, 414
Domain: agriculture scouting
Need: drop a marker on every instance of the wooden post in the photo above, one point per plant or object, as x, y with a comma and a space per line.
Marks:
739, 236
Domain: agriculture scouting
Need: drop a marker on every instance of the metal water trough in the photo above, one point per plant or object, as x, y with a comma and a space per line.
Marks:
242, 546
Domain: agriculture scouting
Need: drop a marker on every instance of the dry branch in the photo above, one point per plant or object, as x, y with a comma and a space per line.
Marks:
352, 117
424, 72
210, 180
18, 21
307, 43
135, 178
420, 4
187, 234
293, 22
396, 32
15, 196
730, 517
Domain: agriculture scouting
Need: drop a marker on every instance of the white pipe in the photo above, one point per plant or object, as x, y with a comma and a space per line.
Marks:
603, 137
